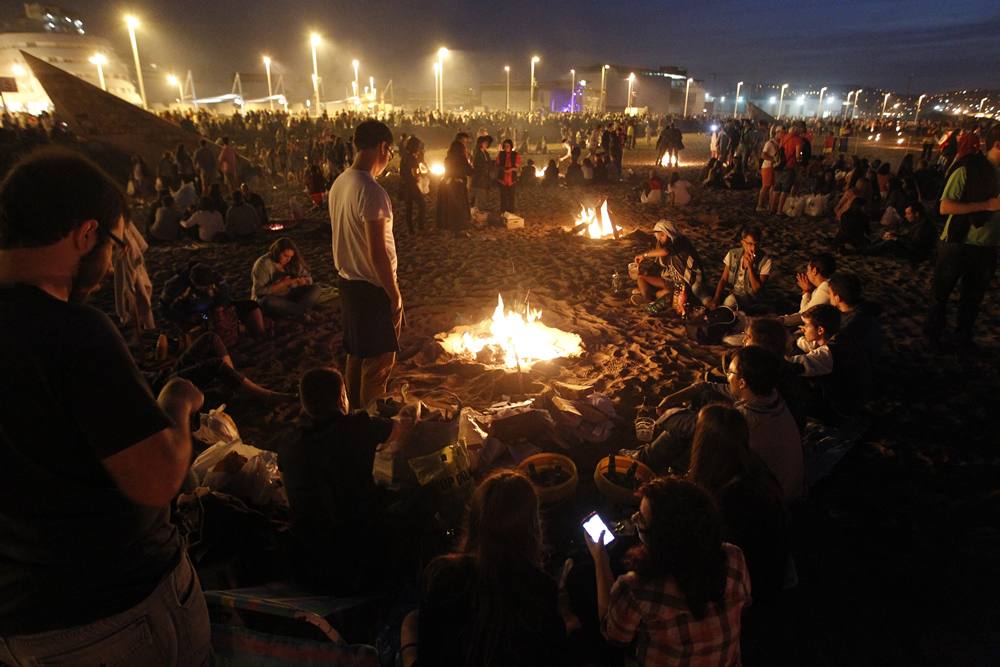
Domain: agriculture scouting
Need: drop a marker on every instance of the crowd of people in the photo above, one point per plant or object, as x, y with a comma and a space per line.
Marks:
698, 569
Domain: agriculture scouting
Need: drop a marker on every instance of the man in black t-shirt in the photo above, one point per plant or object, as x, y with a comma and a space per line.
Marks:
91, 569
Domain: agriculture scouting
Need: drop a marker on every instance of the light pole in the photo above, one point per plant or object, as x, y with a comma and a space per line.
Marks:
267, 72
982, 103
885, 101
437, 80
736, 104
919, 100
531, 93
819, 105
100, 60
687, 89
781, 100
133, 23
354, 84
314, 40
506, 69
631, 81
847, 104
604, 88
583, 97
174, 81
442, 54
857, 96
572, 90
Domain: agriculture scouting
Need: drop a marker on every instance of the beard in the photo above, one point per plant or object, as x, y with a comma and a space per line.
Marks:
93, 268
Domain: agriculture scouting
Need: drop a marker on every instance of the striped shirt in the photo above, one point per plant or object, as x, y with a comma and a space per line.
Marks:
655, 616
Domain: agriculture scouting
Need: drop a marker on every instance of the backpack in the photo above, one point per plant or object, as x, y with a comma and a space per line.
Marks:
779, 157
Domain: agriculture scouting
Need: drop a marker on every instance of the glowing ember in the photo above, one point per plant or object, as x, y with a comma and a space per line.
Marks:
598, 224
437, 168
511, 339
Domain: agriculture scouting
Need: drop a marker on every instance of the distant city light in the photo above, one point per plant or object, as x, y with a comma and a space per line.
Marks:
772, 100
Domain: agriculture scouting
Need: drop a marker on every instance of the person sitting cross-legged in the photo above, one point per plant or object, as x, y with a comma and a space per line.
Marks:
679, 267
282, 284
744, 273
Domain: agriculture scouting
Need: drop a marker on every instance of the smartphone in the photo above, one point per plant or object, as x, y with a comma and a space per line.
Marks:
594, 524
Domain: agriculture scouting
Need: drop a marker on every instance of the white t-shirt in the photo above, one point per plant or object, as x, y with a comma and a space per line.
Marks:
356, 199
681, 191
210, 223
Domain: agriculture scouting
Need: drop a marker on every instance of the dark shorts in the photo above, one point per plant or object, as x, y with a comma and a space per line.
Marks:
367, 316
784, 179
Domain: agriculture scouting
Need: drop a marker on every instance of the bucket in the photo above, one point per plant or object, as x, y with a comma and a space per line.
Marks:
543, 463
617, 493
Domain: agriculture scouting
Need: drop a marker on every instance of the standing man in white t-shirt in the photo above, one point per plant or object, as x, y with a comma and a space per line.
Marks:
364, 254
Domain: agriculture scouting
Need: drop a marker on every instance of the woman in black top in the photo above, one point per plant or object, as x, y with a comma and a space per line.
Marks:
490, 604
410, 159
453, 193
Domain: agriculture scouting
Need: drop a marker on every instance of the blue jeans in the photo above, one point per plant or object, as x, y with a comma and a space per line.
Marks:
168, 628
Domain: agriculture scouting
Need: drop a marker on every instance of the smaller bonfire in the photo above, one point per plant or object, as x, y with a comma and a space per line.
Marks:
511, 339
595, 223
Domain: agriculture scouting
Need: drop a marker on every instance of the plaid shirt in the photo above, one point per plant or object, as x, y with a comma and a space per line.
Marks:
655, 615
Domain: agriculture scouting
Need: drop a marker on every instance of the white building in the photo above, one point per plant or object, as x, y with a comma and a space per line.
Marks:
58, 38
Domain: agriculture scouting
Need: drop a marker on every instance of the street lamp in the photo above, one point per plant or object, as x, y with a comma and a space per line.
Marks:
355, 64
919, 100
604, 89
857, 96
736, 104
267, 71
687, 89
531, 97
133, 23
885, 102
631, 80
100, 60
174, 81
572, 91
506, 69
314, 41
819, 104
982, 102
847, 104
781, 100
442, 54
437, 78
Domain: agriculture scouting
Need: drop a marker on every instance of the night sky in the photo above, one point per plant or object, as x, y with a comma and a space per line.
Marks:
908, 46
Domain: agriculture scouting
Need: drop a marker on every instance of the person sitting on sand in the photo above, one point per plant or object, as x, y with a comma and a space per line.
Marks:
855, 225
206, 222
714, 171
529, 176
819, 325
282, 284
241, 219
167, 226
815, 286
186, 195
751, 386
688, 589
678, 264
551, 178
745, 270
207, 364
327, 472
678, 191
198, 296
735, 178
256, 201
574, 174
652, 193
491, 601
914, 241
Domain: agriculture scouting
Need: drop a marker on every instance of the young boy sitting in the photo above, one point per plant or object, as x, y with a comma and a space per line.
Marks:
337, 511
819, 325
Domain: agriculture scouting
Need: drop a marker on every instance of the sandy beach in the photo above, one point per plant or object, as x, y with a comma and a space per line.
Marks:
884, 521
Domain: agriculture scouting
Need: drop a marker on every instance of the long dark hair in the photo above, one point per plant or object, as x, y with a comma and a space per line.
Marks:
720, 451
683, 541
503, 536
297, 265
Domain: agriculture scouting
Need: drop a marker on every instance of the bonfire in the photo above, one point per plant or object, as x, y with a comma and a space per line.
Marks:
595, 223
511, 339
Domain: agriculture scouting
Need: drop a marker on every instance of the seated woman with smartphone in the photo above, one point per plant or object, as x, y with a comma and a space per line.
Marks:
490, 603
681, 602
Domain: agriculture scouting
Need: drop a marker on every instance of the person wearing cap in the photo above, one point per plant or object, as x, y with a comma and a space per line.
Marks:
678, 264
